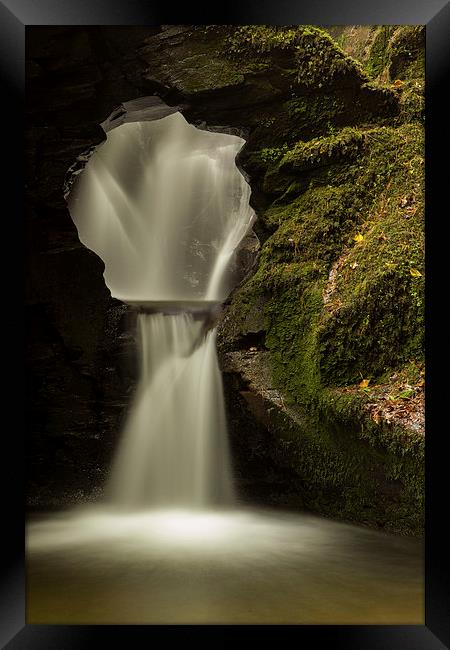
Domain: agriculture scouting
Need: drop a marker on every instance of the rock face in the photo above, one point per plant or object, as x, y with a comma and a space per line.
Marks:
336, 307
329, 140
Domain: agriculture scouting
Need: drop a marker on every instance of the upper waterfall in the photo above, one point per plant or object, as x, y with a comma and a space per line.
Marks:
165, 207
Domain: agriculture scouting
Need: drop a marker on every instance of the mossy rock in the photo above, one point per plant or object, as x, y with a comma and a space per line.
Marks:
407, 53
378, 321
337, 177
243, 318
412, 101
386, 52
317, 228
193, 64
379, 53
319, 60
361, 214
319, 152
339, 467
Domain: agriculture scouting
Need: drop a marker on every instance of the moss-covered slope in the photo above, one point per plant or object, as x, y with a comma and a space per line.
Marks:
338, 292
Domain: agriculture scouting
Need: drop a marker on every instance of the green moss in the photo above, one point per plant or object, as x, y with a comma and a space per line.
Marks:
379, 55
346, 144
378, 324
346, 470
320, 111
206, 73
194, 62
312, 227
261, 38
291, 336
357, 181
319, 60
337, 174
403, 452
407, 53
376, 316
387, 52
412, 101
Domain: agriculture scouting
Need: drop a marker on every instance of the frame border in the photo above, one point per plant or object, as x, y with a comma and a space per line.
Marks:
15, 15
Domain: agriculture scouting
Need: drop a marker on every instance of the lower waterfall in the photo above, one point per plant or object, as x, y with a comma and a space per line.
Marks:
174, 450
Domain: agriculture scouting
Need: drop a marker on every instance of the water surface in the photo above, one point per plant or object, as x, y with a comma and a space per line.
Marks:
236, 566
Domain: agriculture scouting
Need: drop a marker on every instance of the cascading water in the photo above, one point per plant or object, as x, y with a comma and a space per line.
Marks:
165, 206
174, 450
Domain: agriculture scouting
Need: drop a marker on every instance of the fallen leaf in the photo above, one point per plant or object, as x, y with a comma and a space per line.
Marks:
382, 237
415, 273
364, 383
397, 83
358, 237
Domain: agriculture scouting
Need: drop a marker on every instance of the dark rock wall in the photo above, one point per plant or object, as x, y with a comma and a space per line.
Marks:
337, 298
80, 350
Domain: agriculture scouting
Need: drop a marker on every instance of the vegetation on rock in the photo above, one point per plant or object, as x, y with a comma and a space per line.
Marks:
341, 270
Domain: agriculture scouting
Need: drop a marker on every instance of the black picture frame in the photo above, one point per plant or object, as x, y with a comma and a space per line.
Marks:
15, 16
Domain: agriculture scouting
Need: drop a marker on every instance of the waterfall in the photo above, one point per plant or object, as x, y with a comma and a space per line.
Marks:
174, 449
165, 207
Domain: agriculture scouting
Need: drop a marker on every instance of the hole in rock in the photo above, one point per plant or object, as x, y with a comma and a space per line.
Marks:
165, 207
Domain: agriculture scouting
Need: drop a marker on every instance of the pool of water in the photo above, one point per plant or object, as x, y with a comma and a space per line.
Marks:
257, 566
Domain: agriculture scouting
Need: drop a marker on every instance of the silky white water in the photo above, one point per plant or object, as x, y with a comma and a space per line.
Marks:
174, 449
165, 207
